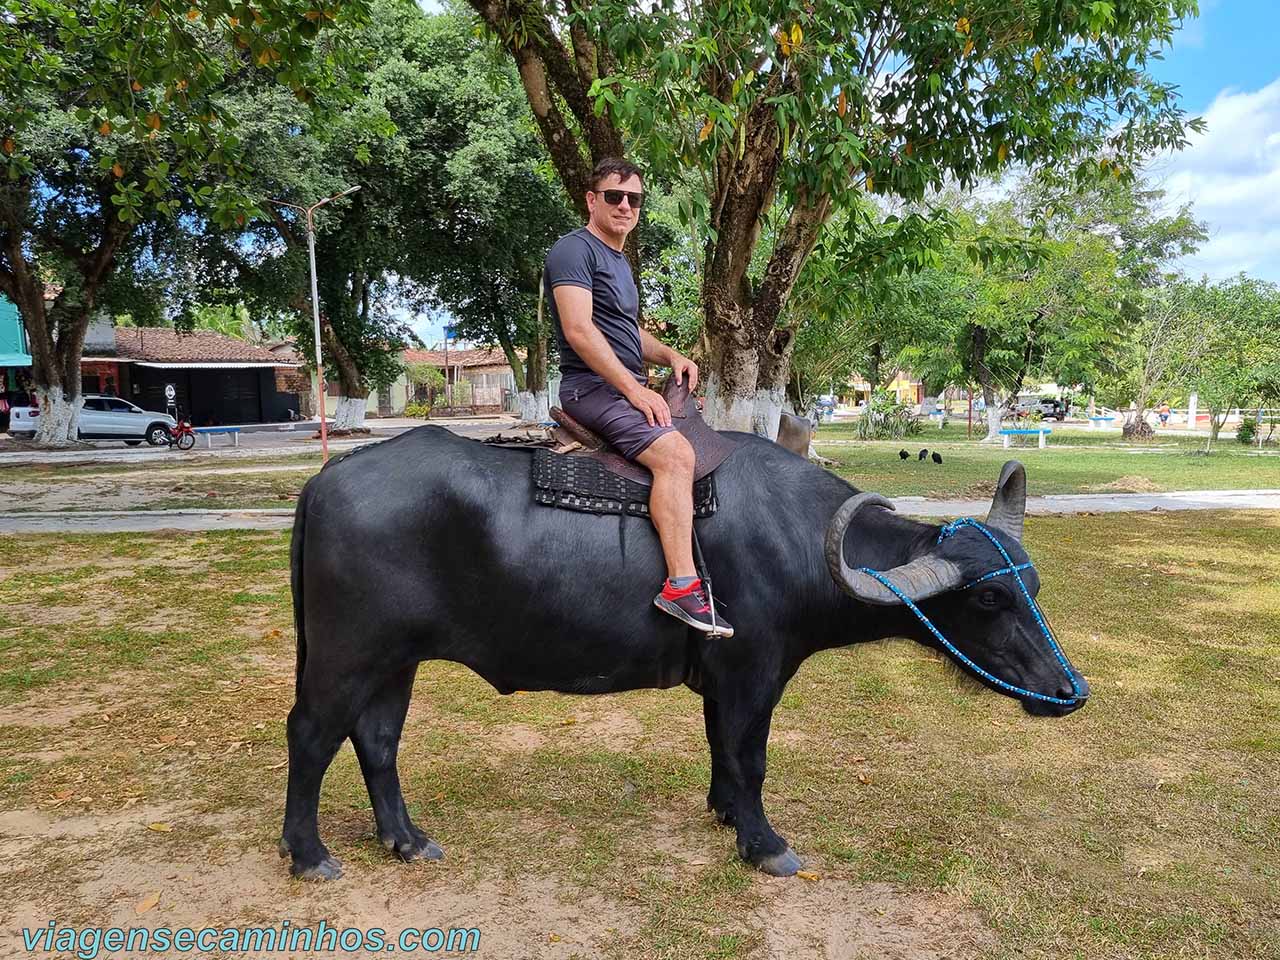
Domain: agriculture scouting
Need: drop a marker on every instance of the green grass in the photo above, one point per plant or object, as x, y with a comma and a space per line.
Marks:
1144, 826
1074, 462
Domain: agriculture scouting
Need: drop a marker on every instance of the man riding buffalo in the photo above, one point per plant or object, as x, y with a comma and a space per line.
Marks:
595, 306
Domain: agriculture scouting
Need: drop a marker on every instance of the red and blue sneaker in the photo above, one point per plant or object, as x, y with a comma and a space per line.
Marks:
689, 604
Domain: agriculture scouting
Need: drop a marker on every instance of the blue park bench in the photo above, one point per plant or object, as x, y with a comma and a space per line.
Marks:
1099, 421
210, 431
1042, 431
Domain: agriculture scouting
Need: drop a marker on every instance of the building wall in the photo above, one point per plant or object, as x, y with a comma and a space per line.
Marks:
215, 397
401, 394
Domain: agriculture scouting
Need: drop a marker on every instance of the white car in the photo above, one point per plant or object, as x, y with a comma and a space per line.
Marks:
103, 418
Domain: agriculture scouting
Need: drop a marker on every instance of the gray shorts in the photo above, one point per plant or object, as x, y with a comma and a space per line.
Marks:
603, 409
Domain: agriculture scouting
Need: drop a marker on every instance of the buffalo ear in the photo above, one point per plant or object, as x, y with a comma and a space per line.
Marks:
1009, 505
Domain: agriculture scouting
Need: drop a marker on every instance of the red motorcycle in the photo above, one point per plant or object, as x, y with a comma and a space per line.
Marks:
182, 436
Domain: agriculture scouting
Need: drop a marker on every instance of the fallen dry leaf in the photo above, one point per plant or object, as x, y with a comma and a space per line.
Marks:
146, 903
568, 721
807, 875
160, 827
553, 938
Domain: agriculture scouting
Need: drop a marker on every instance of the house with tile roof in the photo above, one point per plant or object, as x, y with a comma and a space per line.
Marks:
217, 379
476, 378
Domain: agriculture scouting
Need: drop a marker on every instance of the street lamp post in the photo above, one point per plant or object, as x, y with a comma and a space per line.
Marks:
315, 305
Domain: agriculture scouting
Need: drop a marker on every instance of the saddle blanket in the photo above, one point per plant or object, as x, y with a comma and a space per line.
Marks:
583, 483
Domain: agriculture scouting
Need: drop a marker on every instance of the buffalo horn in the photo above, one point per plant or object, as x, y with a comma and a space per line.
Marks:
1009, 505
921, 578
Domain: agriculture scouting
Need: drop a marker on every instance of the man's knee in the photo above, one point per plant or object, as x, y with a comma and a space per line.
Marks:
670, 453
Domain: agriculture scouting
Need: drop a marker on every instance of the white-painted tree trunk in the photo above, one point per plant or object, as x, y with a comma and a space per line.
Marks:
59, 417
534, 407
731, 412
767, 411
994, 418
349, 414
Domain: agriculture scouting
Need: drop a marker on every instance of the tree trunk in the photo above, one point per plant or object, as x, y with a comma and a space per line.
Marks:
56, 373
995, 413
995, 417
1137, 429
513, 361
352, 392
534, 407
59, 416
535, 375
349, 415
1216, 424
771, 382
733, 368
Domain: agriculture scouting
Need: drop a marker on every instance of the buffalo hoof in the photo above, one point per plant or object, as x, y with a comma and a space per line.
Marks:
330, 868
784, 864
418, 848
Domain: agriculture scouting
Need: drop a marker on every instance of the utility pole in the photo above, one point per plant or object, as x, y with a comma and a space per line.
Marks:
315, 305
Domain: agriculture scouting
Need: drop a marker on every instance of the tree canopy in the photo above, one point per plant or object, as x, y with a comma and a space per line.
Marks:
114, 120
789, 113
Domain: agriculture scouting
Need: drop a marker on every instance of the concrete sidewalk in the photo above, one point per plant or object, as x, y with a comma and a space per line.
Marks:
1101, 503
138, 521
256, 442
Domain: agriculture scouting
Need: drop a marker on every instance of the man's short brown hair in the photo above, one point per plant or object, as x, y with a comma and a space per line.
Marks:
614, 166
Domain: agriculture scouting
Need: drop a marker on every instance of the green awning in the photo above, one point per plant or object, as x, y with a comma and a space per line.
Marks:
15, 359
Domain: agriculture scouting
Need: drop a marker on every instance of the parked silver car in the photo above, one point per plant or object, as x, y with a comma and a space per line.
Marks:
103, 418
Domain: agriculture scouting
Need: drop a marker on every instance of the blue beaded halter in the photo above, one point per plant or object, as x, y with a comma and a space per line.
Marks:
1015, 569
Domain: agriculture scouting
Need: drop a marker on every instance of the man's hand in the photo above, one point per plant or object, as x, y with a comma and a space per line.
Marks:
651, 404
683, 365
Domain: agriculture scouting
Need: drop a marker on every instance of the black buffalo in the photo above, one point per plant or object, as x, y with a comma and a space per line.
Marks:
428, 547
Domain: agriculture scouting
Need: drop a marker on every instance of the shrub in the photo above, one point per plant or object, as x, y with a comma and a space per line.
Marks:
886, 419
420, 410
1247, 432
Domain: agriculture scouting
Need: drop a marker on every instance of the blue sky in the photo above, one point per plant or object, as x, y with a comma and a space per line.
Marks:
1226, 63
1232, 44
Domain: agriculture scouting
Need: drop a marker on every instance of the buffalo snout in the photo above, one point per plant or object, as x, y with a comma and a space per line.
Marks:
1041, 708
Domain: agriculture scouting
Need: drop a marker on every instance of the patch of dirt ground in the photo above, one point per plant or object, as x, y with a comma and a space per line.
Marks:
79, 495
1129, 484
844, 921
60, 705
124, 875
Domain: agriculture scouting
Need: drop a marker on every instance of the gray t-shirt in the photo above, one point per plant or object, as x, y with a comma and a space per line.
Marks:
581, 259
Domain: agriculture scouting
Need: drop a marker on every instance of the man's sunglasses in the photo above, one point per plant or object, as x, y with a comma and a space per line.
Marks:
614, 197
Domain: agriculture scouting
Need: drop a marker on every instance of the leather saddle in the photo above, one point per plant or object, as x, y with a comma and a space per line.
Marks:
710, 447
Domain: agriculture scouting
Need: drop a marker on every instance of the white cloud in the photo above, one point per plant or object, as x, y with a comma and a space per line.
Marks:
1231, 173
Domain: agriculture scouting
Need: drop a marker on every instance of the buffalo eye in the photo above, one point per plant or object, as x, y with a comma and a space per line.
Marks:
990, 598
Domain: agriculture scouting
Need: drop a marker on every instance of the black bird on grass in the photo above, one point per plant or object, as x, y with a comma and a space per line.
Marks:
903, 455
923, 454
936, 457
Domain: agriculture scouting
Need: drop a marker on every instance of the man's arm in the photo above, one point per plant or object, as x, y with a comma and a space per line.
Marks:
573, 304
654, 350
